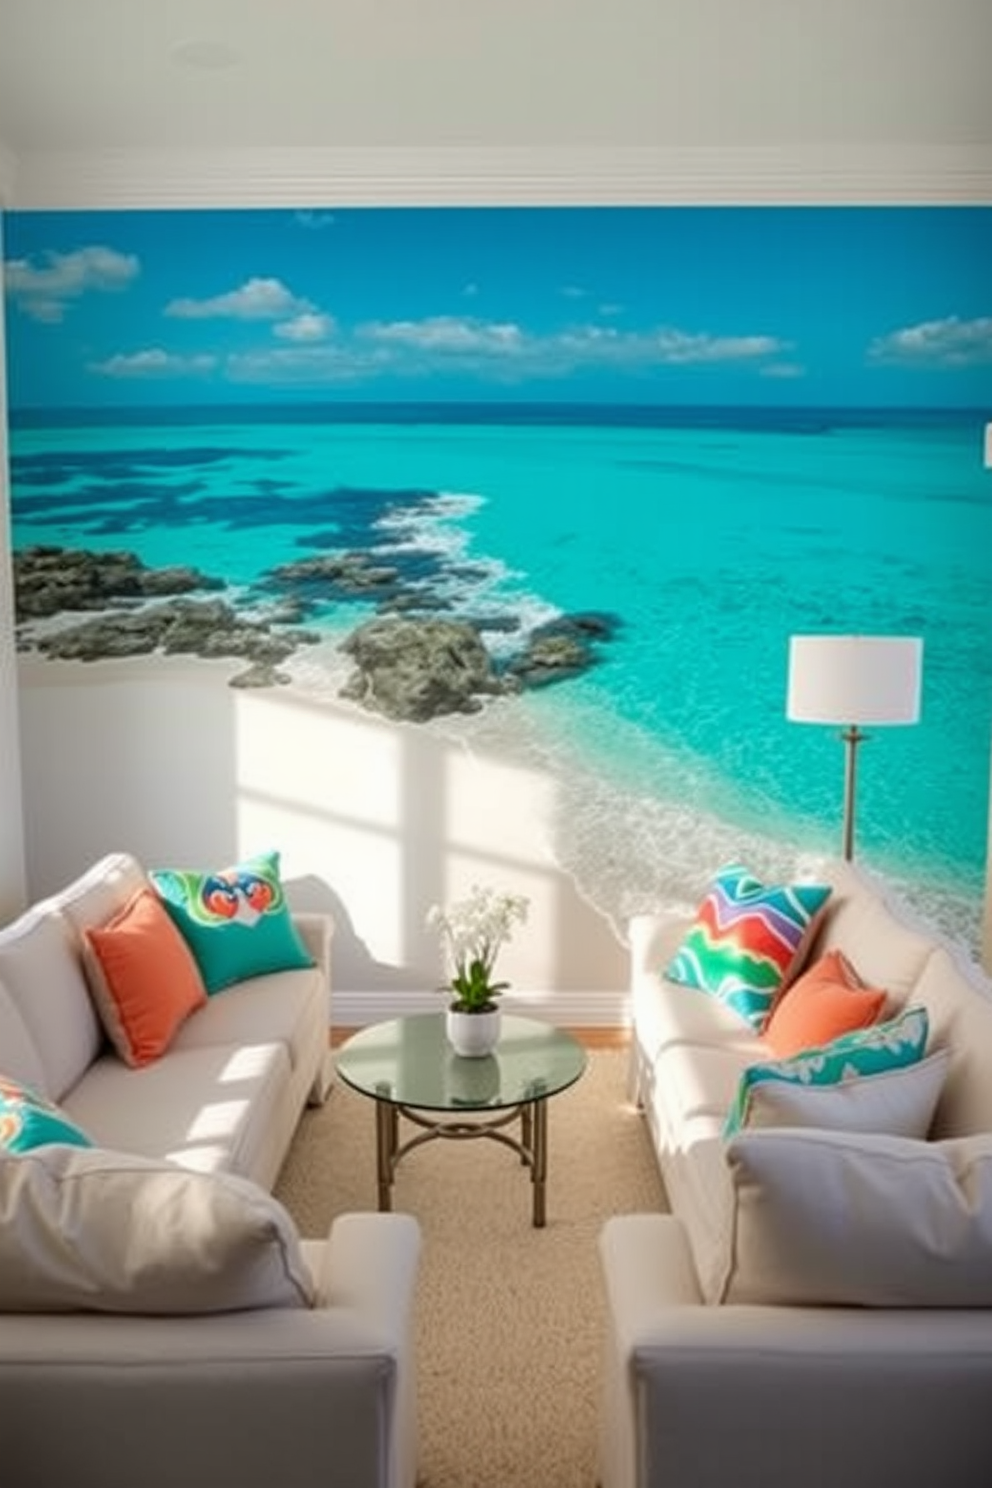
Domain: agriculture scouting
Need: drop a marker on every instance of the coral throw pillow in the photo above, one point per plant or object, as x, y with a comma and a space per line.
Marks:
827, 1000
748, 941
235, 920
144, 978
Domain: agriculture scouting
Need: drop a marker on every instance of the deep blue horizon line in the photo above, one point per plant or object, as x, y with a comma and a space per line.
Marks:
493, 411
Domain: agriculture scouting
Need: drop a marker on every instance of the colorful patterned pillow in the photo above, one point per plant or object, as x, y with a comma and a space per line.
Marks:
28, 1120
898, 1042
748, 940
236, 920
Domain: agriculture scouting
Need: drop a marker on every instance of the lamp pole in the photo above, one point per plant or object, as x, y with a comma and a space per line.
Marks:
852, 737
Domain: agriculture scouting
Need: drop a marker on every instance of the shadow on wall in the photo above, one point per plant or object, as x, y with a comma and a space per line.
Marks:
375, 821
354, 964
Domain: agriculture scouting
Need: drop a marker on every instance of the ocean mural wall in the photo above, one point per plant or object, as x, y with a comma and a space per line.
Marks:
558, 480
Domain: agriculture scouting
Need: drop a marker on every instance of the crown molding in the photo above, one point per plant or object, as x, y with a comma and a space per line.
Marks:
821, 175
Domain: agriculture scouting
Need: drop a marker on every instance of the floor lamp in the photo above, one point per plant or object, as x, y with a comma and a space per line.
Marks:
851, 680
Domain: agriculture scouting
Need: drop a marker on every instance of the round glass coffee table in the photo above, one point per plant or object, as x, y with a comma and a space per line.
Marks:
410, 1070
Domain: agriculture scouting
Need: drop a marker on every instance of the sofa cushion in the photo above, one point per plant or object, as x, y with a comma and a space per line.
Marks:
859, 1220
959, 1003
890, 1045
236, 919
41, 967
678, 1016
286, 1007
887, 950
29, 1120
209, 1109
748, 940
898, 1102
96, 895
111, 1232
17, 1051
828, 999
698, 1081
143, 977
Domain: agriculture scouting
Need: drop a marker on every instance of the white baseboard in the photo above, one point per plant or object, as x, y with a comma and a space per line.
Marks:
571, 1009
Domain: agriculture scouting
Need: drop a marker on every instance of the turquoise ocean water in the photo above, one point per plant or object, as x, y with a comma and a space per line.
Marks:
710, 536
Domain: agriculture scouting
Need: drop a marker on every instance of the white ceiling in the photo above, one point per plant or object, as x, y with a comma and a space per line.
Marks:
122, 75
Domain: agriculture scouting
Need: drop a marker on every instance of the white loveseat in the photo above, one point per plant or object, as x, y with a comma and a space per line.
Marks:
303, 1395
700, 1389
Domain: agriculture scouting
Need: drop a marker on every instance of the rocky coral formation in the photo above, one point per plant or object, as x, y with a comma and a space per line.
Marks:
410, 662
562, 648
336, 576
51, 581
414, 670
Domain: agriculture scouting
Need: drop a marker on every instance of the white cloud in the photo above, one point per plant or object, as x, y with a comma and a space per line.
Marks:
681, 347
310, 326
937, 343
305, 365
314, 352
498, 351
447, 333
44, 291
154, 362
256, 299
573, 292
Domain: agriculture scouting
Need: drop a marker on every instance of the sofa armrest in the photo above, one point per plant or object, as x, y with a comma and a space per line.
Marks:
859, 1396
318, 1397
316, 931
653, 940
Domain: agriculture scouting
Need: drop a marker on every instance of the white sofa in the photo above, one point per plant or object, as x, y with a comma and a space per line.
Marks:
699, 1390
307, 1395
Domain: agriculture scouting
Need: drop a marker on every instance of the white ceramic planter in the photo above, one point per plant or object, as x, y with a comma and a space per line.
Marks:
473, 1035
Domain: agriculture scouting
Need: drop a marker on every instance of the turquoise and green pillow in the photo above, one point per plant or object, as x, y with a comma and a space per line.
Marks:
748, 940
235, 920
894, 1044
28, 1120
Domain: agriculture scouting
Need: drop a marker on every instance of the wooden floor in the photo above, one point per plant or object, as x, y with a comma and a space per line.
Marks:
591, 1037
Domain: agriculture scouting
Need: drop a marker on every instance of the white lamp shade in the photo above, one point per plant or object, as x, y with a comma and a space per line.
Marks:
854, 679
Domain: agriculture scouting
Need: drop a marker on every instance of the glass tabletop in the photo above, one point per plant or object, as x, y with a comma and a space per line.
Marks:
409, 1062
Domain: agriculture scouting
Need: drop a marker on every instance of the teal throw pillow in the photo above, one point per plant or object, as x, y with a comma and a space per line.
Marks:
28, 1120
891, 1045
235, 920
748, 941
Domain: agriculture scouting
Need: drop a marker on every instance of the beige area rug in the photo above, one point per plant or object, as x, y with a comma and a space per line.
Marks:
509, 1319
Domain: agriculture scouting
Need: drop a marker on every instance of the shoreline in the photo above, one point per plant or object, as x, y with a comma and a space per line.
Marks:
623, 851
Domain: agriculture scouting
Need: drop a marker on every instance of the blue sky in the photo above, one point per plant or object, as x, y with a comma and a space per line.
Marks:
828, 306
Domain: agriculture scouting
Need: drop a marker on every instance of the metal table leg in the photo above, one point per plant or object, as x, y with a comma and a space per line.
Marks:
539, 1160
386, 1121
